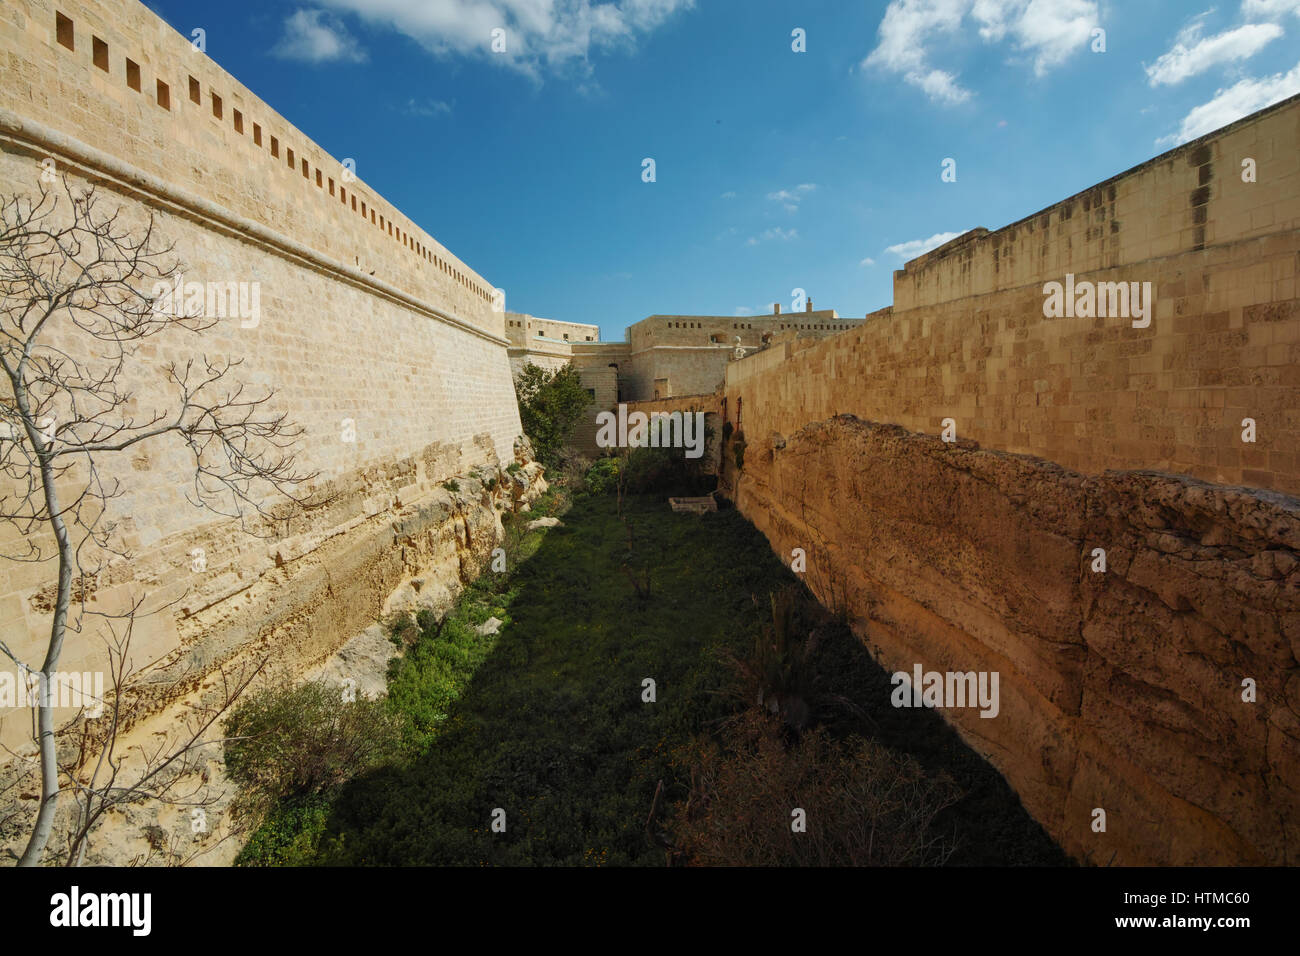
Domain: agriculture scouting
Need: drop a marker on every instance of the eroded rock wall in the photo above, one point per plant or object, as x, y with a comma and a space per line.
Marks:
1120, 690
309, 608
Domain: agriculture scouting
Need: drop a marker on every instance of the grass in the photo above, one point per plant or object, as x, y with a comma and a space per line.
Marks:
545, 720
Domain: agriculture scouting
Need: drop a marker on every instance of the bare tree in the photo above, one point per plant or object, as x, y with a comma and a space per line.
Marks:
79, 294
97, 778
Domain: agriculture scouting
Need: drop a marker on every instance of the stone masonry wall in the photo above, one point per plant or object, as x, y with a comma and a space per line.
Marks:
1094, 393
239, 159
1121, 689
399, 380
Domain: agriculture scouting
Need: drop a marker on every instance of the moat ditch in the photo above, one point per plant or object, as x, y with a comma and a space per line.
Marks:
539, 744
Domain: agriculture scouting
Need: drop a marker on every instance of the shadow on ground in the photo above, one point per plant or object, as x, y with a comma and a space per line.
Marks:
551, 733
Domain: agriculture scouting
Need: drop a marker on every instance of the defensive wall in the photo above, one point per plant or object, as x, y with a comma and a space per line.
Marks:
379, 342
1096, 529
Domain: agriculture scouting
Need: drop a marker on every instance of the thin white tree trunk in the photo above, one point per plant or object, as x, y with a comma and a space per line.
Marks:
40, 837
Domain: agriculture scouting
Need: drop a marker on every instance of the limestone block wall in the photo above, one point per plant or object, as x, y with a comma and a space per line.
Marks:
546, 343
602, 380
697, 330
967, 339
689, 354
399, 380
173, 113
551, 361
1090, 394
1185, 200
1122, 688
522, 328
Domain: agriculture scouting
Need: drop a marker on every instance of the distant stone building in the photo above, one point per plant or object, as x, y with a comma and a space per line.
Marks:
663, 356
673, 355
546, 343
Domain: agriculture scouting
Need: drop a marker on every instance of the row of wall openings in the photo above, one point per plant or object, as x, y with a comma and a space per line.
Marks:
827, 328
684, 325
99, 57
65, 35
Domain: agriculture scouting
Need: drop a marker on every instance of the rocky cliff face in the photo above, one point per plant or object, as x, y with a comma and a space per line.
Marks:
1121, 689
310, 609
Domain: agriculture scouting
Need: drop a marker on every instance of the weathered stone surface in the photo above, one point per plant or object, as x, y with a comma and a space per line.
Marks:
1120, 690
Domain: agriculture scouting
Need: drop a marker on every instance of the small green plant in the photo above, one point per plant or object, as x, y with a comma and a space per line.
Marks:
452, 485
514, 468
602, 476
780, 673
402, 630
301, 741
738, 450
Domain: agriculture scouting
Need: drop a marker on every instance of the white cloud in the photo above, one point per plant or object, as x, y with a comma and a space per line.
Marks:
1053, 29
1238, 100
868, 261
539, 34
729, 195
1270, 9
415, 107
785, 235
1192, 54
916, 247
903, 32
743, 311
940, 86
314, 37
790, 198
1047, 30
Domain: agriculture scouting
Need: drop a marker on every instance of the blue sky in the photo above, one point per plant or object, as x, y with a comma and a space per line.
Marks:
774, 169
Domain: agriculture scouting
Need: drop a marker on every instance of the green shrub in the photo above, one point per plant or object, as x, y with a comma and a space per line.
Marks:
550, 404
651, 470
573, 472
452, 485
304, 740
602, 477
403, 629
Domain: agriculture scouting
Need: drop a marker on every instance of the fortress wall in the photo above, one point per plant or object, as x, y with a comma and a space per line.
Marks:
592, 363
1087, 393
1185, 200
1121, 689
696, 330
688, 371
427, 400
189, 147
406, 360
